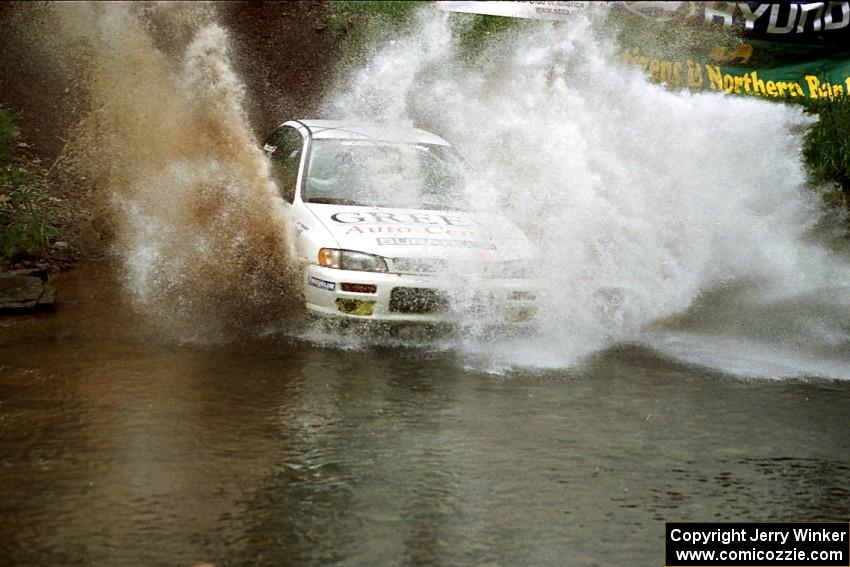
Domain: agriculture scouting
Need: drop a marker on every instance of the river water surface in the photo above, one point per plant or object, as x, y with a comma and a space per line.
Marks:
121, 449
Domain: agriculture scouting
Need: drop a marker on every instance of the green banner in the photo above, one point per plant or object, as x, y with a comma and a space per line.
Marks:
752, 68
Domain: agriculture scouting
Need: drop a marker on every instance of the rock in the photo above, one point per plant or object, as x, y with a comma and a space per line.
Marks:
39, 273
20, 292
48, 298
60, 250
25, 290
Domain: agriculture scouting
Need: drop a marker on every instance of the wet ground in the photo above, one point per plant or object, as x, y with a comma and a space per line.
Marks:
119, 449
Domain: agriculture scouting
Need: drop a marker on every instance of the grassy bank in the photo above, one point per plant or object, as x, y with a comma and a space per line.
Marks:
26, 219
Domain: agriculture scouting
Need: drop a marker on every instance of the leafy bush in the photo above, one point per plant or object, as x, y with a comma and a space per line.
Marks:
25, 219
827, 144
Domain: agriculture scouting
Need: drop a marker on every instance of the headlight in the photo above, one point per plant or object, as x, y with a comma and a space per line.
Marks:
351, 260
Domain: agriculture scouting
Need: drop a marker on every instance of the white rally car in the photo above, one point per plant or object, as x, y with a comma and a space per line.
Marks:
381, 228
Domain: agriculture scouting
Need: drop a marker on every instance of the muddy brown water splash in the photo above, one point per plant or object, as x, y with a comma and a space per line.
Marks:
196, 218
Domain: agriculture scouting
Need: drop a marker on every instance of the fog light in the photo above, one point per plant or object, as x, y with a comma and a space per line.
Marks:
359, 287
329, 258
355, 307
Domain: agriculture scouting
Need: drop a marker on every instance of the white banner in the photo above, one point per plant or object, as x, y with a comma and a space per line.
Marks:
764, 18
534, 9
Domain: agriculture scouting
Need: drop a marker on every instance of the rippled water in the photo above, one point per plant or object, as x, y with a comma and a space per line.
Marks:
118, 449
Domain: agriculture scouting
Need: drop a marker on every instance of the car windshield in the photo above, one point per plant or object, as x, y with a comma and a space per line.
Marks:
384, 174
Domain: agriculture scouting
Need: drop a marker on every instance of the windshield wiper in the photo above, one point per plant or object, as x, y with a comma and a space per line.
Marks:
334, 201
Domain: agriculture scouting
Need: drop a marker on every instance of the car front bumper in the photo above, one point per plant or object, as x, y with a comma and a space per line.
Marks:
419, 298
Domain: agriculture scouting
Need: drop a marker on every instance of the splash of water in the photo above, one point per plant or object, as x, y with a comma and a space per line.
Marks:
659, 215
671, 219
197, 220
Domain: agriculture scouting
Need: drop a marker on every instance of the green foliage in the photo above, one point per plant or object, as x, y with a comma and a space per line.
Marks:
475, 30
393, 10
25, 228
827, 144
478, 31
359, 26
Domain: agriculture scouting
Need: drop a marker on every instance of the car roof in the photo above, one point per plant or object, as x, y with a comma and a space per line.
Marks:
356, 130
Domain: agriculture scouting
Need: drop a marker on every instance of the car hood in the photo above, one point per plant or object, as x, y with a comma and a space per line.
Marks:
416, 233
